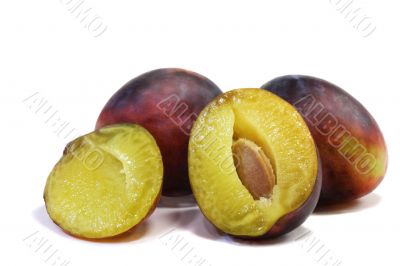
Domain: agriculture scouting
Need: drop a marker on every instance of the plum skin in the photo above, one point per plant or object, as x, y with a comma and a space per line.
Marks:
352, 148
166, 102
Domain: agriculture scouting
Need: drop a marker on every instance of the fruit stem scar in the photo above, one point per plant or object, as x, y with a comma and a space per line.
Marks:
253, 168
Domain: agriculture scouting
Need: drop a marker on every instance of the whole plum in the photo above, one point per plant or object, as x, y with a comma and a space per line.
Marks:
350, 143
166, 102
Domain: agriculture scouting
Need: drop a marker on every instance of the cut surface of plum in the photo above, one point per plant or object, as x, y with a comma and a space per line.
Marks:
265, 122
106, 182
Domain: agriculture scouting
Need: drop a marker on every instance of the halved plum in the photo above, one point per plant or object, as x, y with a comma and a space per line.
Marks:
253, 164
106, 182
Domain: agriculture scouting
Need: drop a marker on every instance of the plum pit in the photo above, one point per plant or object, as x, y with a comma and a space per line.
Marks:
253, 168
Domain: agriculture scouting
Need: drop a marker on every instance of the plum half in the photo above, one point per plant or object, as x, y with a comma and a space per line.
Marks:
166, 102
106, 182
351, 145
253, 164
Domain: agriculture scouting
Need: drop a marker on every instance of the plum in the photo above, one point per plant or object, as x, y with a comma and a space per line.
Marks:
106, 182
166, 102
350, 143
253, 164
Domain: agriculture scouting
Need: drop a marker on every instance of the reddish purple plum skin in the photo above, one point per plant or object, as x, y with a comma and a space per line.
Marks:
351, 145
166, 102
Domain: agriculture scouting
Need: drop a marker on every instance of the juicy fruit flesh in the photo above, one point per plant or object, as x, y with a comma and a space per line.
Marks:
108, 198
274, 126
253, 168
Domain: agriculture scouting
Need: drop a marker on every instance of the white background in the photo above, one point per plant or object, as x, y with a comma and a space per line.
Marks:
46, 50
